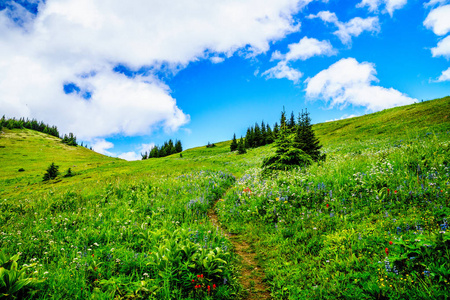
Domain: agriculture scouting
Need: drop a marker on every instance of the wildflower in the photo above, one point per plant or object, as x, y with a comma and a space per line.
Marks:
390, 243
395, 192
328, 205
387, 251
193, 280
214, 286
209, 288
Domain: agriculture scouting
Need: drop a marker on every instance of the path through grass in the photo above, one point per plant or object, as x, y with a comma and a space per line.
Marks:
251, 274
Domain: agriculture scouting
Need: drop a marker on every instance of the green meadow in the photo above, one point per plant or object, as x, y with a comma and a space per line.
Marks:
370, 222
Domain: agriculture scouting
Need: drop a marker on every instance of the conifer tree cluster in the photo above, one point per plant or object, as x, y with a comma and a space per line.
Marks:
258, 135
166, 149
70, 139
33, 124
29, 124
296, 144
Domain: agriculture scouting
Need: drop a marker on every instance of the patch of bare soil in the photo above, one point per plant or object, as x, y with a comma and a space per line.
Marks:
252, 276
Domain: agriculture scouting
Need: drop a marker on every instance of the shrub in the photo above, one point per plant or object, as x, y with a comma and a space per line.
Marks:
21, 170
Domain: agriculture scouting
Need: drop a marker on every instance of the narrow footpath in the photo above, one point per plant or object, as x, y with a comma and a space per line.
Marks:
252, 275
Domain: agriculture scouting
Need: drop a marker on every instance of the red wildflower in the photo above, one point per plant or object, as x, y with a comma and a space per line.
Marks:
328, 205
209, 288
214, 286
395, 192
92, 255
387, 251
193, 280
201, 276
198, 276
390, 242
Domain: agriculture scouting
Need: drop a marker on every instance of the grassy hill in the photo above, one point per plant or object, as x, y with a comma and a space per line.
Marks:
140, 229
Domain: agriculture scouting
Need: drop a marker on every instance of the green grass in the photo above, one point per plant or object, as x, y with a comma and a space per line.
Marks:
119, 229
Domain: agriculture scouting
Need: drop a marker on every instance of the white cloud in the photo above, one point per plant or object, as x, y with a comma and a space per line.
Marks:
282, 70
304, 49
348, 82
101, 146
307, 48
71, 38
439, 20
445, 76
434, 2
390, 5
352, 28
442, 48
130, 156
343, 118
217, 59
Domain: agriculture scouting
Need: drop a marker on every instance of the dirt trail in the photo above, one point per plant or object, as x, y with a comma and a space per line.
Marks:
252, 275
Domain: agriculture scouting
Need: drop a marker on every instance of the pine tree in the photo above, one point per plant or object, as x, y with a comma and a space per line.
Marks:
234, 145
276, 130
263, 134
286, 156
241, 146
178, 147
305, 138
257, 136
269, 135
291, 123
51, 173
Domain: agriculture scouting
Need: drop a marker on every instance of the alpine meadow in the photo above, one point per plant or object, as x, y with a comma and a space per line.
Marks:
349, 209
224, 149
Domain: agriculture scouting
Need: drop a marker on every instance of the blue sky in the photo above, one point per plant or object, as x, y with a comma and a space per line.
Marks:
127, 75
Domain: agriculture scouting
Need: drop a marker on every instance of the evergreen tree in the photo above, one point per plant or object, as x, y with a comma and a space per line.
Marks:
249, 138
144, 156
291, 123
276, 130
305, 138
51, 173
234, 145
286, 156
283, 119
263, 134
269, 135
178, 147
257, 136
241, 146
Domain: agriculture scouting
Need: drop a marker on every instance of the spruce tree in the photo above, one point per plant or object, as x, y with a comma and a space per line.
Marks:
305, 138
178, 146
263, 134
241, 146
286, 156
234, 144
51, 173
291, 123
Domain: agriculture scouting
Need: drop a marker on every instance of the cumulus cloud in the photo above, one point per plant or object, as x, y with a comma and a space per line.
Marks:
282, 70
442, 48
390, 5
445, 76
352, 28
79, 42
307, 48
304, 49
343, 118
434, 2
348, 82
438, 20
102, 146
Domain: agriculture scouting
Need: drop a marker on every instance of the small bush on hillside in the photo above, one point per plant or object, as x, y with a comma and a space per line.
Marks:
21, 170
68, 173
210, 145
52, 172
